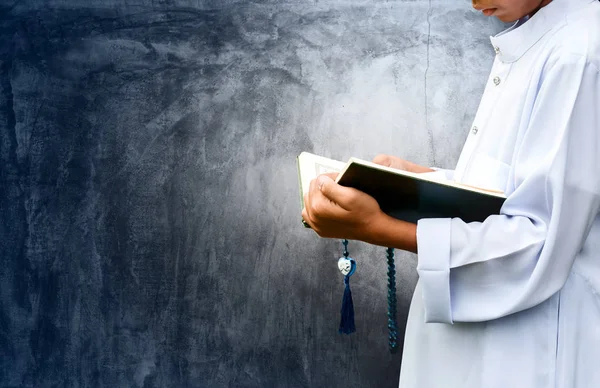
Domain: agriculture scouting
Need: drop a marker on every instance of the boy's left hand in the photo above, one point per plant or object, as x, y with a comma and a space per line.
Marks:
336, 211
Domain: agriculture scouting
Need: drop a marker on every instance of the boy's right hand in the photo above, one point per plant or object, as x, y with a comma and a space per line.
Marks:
399, 163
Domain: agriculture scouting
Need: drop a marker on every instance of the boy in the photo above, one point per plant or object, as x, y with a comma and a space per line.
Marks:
513, 301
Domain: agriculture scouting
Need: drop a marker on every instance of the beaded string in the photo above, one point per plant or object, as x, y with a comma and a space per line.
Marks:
391, 298
345, 242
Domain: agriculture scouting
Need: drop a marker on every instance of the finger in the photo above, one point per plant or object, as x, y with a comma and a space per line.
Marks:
314, 189
342, 196
306, 214
319, 205
306, 219
382, 159
306, 201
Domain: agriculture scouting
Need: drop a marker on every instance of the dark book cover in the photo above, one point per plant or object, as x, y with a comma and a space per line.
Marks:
408, 197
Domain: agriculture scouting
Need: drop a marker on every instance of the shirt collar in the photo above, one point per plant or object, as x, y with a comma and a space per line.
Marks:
512, 44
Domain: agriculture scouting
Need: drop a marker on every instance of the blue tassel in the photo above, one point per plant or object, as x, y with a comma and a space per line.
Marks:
347, 320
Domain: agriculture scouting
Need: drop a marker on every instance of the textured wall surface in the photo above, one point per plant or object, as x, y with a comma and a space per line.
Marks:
149, 209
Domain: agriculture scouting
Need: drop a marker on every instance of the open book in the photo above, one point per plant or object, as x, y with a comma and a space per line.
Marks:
404, 195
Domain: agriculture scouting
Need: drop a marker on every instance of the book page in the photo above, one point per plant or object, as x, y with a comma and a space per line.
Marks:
324, 169
311, 166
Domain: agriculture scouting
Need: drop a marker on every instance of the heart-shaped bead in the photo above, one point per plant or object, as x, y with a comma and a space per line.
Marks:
346, 265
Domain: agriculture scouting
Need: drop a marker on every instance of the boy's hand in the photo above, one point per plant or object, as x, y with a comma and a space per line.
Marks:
399, 164
391, 161
336, 211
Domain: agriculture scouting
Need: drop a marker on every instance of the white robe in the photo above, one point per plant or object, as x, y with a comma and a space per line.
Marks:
514, 301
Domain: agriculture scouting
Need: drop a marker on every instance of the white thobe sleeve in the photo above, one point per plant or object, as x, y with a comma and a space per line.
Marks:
515, 260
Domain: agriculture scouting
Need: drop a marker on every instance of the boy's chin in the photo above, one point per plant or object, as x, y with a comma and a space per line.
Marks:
506, 18
503, 17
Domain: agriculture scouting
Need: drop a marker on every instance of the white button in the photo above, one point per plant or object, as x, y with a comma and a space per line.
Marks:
474, 130
497, 81
497, 49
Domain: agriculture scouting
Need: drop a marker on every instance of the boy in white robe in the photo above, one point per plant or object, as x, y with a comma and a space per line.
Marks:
513, 301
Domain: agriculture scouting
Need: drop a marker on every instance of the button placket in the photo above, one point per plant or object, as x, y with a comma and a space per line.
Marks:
499, 74
501, 71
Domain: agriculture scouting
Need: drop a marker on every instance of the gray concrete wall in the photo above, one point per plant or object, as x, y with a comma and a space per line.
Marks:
149, 208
